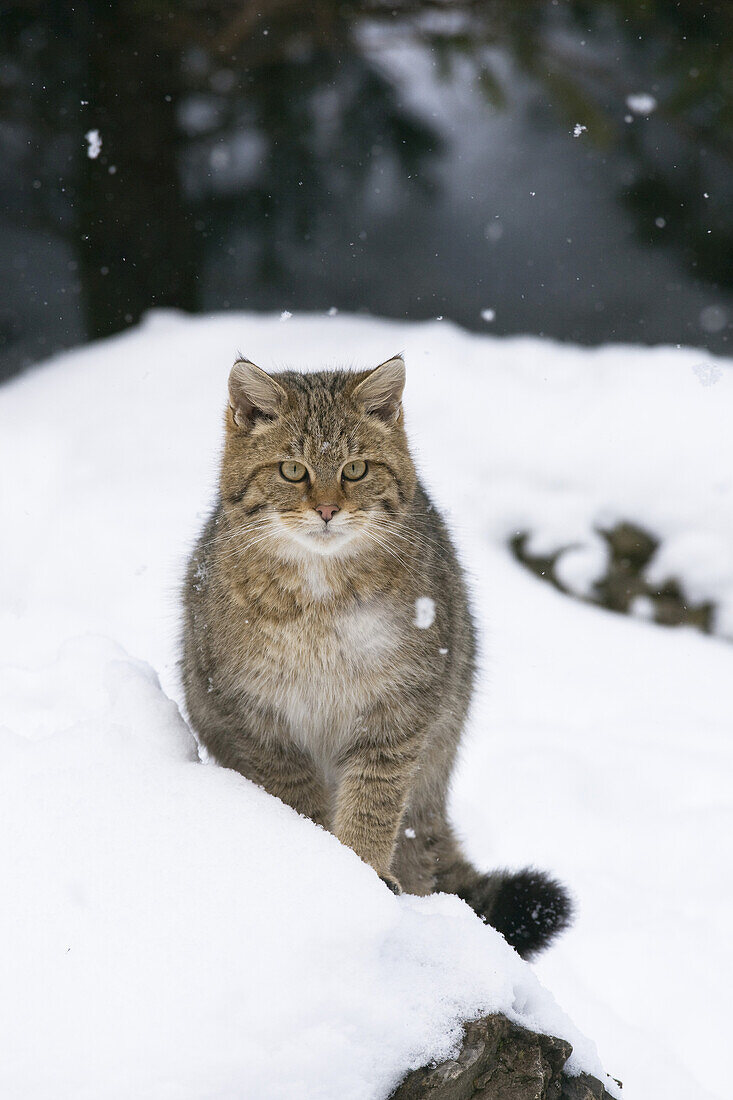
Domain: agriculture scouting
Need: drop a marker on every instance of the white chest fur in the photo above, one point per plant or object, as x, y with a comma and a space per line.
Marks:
322, 671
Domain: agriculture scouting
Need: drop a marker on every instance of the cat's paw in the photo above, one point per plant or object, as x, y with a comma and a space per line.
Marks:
392, 883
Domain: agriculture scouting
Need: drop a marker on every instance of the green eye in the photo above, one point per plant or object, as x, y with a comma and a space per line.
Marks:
293, 471
355, 470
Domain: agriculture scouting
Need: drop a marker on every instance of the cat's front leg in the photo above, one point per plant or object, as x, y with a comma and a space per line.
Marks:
264, 752
375, 778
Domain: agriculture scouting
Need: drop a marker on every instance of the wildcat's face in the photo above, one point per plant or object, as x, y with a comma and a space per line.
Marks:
316, 463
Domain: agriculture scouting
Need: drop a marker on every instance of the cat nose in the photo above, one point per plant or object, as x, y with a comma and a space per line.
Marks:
327, 511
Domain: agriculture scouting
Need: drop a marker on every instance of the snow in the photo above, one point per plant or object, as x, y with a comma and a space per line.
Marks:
168, 930
168, 909
581, 566
642, 607
713, 318
642, 103
579, 129
707, 373
424, 612
94, 144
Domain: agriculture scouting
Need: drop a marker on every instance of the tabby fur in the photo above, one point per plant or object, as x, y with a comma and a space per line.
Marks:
333, 662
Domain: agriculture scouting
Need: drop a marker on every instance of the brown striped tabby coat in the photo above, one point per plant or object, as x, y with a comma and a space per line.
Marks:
328, 643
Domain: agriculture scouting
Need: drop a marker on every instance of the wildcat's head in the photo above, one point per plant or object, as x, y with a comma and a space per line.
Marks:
316, 463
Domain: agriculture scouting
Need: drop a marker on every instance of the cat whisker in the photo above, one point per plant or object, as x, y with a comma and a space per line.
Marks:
245, 528
373, 538
415, 539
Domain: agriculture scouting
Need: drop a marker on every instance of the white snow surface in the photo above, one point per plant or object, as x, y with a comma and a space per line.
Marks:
171, 932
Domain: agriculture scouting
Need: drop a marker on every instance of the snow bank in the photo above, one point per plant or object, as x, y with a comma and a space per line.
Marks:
170, 928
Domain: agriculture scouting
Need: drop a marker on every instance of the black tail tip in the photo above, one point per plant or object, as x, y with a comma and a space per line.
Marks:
529, 908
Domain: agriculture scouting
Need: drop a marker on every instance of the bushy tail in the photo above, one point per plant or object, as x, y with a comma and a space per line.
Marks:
528, 907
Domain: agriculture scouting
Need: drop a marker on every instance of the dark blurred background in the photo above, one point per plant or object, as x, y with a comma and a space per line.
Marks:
550, 167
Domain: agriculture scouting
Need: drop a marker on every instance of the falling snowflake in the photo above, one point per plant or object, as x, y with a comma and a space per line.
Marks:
488, 314
94, 142
641, 103
713, 318
285, 315
579, 129
424, 612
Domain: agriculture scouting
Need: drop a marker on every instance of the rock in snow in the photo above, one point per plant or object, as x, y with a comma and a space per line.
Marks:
500, 1061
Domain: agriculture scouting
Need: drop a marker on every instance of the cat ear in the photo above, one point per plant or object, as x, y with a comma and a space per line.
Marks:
381, 391
253, 393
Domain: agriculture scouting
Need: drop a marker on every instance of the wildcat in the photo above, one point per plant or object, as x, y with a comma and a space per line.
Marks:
328, 648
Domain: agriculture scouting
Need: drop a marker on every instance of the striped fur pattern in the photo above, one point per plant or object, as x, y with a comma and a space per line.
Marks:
333, 662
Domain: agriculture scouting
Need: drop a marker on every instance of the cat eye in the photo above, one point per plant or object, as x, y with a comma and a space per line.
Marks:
354, 470
293, 471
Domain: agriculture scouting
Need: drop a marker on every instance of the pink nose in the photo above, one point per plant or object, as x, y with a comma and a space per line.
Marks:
327, 511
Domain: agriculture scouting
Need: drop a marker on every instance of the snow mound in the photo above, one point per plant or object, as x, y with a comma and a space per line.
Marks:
174, 931
168, 930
